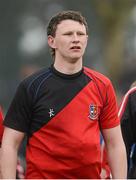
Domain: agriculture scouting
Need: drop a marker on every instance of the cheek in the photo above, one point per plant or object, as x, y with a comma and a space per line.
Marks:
84, 43
61, 43
64, 45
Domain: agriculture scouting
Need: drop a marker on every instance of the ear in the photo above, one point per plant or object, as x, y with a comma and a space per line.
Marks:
51, 41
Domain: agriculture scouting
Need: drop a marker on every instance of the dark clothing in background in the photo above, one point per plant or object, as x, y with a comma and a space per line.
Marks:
127, 114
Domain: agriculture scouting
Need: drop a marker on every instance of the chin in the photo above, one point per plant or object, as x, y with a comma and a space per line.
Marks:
75, 59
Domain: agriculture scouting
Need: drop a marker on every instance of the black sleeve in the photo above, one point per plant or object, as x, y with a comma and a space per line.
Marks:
133, 114
128, 124
19, 113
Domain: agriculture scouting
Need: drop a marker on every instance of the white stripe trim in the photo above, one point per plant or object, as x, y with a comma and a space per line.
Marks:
125, 100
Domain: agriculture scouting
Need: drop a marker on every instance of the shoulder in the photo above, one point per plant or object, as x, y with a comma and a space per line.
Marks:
30, 86
36, 79
126, 99
97, 76
131, 91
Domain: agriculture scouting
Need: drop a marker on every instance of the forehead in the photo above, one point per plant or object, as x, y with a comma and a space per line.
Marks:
70, 25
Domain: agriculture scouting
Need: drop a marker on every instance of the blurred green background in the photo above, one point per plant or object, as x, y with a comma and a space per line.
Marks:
111, 48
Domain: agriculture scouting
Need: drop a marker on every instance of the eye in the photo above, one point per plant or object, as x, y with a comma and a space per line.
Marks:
68, 34
80, 33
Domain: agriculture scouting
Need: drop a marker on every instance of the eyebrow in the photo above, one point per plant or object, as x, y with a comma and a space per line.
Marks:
69, 32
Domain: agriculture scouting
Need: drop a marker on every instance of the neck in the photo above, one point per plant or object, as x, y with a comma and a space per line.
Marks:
68, 66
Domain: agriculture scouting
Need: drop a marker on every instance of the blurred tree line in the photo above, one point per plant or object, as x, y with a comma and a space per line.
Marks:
113, 16
23, 41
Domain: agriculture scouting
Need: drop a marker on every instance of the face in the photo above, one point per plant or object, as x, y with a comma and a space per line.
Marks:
70, 40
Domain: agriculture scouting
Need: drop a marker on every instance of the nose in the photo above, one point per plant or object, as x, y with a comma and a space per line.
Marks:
75, 38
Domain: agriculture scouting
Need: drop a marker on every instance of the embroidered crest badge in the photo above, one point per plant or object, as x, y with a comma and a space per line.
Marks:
93, 112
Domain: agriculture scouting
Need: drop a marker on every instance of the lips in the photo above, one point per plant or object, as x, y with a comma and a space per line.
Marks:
75, 47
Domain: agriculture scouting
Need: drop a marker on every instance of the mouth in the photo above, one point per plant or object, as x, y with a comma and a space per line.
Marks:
75, 47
